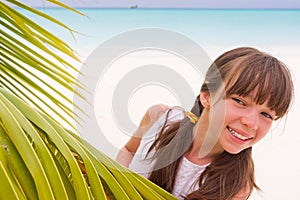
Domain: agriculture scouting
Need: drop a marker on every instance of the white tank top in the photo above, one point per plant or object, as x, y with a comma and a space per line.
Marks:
187, 177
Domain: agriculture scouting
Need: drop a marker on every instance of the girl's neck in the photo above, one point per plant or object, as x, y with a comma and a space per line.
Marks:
205, 147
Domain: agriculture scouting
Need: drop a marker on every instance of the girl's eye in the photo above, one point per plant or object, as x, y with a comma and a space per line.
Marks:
239, 101
267, 115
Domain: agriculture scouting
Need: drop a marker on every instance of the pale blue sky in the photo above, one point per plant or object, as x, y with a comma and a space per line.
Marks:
264, 4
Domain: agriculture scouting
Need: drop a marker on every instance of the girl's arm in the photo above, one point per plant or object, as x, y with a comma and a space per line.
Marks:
126, 154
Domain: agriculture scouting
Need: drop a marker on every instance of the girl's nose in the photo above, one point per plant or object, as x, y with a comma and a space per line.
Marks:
251, 119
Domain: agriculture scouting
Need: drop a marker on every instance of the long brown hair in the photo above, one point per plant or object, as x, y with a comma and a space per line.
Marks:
241, 70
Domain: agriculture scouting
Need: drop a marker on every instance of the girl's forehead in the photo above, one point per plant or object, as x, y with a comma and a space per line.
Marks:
253, 94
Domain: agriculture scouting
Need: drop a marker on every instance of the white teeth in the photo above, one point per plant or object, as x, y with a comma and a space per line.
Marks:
237, 135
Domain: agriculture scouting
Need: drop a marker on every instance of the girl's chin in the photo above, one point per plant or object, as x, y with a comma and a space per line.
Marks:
233, 150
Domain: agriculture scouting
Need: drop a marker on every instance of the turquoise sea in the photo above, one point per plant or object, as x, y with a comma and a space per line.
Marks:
207, 27
274, 31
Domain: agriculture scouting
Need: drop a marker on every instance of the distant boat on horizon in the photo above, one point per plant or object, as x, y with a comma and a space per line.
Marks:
133, 6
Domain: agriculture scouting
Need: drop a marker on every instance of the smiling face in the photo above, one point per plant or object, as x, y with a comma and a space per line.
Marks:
248, 90
245, 123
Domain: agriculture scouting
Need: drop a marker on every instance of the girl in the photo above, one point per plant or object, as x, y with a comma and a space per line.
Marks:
206, 153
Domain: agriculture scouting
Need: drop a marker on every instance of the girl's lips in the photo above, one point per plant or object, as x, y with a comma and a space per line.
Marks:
238, 135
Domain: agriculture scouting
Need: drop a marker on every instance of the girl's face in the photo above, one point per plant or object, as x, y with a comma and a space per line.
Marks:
245, 123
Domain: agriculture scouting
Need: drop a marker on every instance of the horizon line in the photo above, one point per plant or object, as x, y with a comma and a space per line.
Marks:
190, 8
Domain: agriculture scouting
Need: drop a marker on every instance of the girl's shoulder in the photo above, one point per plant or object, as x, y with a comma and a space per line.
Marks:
157, 110
162, 112
176, 113
153, 114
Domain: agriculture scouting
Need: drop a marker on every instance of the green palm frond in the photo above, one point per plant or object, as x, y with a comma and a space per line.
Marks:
39, 159
31, 57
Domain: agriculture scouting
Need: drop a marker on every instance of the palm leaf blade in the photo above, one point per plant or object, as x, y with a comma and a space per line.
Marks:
6, 185
77, 178
23, 145
17, 166
32, 47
